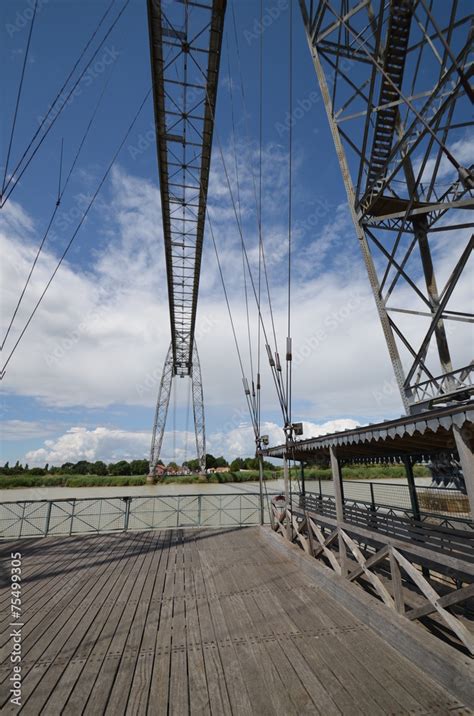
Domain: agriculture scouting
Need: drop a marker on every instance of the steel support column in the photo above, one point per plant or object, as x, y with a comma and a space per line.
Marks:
161, 413
394, 78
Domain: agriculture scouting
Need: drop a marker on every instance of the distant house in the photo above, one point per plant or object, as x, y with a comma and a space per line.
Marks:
222, 469
160, 470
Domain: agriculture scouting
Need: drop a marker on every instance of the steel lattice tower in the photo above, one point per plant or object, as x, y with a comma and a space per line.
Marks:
185, 47
395, 78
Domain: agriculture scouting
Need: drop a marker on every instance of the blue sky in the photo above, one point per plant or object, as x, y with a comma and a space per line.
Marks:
83, 381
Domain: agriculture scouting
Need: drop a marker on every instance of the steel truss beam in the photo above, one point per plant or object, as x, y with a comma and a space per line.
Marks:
395, 80
162, 405
185, 47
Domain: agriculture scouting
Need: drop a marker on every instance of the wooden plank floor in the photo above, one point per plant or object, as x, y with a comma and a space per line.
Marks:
195, 621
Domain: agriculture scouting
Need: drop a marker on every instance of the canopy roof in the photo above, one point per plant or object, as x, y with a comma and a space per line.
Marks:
422, 436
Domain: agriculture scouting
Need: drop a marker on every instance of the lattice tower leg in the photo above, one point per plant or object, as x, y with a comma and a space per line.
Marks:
161, 411
198, 409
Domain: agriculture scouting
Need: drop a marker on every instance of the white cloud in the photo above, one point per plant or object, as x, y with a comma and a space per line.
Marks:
101, 334
462, 150
113, 444
80, 443
239, 441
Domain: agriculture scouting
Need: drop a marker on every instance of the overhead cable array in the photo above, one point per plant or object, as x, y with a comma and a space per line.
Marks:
54, 111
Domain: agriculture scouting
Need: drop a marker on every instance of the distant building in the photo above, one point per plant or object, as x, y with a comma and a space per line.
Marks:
160, 470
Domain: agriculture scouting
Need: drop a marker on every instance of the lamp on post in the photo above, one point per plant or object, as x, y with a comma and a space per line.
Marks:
259, 441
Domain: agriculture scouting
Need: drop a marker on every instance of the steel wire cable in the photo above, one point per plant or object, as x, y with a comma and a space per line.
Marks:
76, 231
64, 104
254, 182
244, 270
229, 186
260, 141
290, 214
276, 377
187, 422
18, 97
229, 310
55, 210
174, 422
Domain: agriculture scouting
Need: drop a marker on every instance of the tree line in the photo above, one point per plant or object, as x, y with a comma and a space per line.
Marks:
132, 467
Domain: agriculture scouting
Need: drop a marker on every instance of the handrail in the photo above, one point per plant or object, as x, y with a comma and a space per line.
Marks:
66, 516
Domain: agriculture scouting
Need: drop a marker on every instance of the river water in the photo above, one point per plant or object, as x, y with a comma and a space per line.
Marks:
353, 488
35, 512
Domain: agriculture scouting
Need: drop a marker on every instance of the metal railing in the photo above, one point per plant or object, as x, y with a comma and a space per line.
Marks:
448, 535
39, 518
457, 380
390, 508
432, 500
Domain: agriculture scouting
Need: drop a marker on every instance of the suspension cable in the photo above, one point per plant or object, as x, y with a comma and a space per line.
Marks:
244, 270
274, 362
260, 136
83, 218
229, 310
64, 104
290, 210
174, 422
60, 178
188, 401
254, 181
55, 210
18, 97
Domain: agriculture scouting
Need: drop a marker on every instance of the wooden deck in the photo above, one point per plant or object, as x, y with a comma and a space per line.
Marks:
195, 621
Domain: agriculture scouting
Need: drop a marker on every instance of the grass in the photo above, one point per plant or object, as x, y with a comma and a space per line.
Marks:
365, 472
12, 481
351, 472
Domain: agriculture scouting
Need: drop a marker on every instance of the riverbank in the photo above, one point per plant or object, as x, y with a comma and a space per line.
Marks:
362, 472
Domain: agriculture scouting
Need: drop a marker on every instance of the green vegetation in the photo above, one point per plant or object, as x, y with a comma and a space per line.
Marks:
69, 481
37, 477
125, 473
28, 480
363, 472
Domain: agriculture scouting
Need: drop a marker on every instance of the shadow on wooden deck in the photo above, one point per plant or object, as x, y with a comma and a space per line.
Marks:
196, 621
